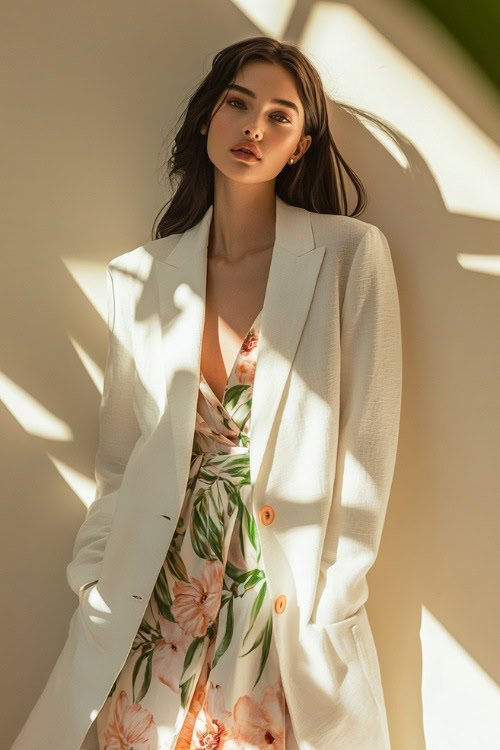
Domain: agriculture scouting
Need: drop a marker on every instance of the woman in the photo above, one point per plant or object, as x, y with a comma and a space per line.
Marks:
248, 434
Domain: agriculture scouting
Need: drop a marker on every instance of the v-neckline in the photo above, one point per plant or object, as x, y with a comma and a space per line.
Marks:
232, 368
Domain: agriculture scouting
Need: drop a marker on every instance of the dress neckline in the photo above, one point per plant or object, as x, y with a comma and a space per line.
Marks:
237, 359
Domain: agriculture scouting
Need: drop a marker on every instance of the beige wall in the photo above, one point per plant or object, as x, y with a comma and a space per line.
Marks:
89, 92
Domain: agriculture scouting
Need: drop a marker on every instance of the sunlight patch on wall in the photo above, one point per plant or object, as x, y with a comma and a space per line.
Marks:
30, 414
489, 264
91, 278
271, 18
360, 66
460, 700
94, 371
82, 486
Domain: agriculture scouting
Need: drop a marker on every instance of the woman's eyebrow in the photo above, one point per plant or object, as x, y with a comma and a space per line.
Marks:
244, 90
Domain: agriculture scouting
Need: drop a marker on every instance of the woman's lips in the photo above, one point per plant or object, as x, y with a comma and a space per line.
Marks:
243, 155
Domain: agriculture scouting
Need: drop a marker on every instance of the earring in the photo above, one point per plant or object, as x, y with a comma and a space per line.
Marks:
291, 161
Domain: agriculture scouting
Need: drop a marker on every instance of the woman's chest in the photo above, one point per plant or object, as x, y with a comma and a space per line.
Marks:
234, 297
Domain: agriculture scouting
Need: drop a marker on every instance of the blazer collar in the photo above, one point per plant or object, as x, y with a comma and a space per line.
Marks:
181, 277
293, 233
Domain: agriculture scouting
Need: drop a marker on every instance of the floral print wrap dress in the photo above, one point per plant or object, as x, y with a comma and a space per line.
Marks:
203, 671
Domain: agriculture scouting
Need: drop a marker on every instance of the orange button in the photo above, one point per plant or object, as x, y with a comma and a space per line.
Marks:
280, 604
266, 514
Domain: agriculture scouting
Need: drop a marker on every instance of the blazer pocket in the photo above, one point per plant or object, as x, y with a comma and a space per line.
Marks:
367, 667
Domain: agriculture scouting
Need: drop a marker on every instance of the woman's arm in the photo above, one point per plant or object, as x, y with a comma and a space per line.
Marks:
118, 434
370, 403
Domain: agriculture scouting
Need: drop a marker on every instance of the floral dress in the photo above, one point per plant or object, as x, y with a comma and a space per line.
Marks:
203, 671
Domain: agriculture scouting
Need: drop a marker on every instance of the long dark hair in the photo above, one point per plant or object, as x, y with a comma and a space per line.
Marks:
315, 183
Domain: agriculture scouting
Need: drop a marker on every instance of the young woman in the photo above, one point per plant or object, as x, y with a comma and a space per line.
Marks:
248, 434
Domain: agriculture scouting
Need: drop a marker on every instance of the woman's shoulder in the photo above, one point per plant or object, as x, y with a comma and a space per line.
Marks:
344, 234
139, 259
339, 233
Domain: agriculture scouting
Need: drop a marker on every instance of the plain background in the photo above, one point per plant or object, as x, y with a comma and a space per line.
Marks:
89, 93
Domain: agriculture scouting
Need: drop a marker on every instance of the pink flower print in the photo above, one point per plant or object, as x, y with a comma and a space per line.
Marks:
169, 653
197, 603
195, 706
247, 358
245, 371
209, 725
214, 703
208, 730
259, 725
208, 733
131, 726
250, 342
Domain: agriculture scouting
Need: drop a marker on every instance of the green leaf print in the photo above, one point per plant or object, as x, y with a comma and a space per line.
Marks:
255, 643
233, 496
233, 395
245, 440
176, 565
146, 628
249, 578
206, 475
199, 532
268, 631
162, 596
224, 644
148, 656
217, 504
206, 537
264, 637
243, 424
256, 607
186, 690
215, 540
191, 652
238, 468
250, 527
256, 575
236, 574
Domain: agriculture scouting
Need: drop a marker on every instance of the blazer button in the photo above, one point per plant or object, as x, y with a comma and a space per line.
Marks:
266, 514
280, 604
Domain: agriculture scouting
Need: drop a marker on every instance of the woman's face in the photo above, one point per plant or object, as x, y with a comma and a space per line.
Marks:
275, 128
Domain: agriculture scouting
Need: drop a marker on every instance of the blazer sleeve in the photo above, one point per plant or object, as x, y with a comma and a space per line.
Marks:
118, 434
370, 404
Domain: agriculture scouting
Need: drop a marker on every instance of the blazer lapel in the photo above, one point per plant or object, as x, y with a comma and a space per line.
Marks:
181, 278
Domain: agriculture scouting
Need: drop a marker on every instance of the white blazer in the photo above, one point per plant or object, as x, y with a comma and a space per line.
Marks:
325, 423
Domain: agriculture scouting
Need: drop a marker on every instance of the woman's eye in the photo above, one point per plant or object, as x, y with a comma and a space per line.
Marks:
238, 101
